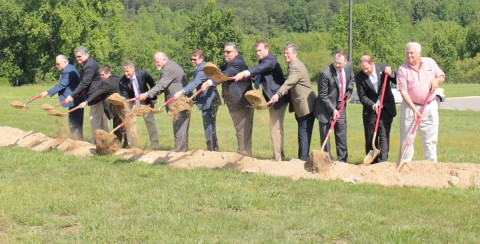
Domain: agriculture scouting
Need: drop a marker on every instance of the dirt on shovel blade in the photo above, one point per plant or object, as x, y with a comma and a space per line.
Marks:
47, 106
141, 110
318, 161
17, 104
253, 97
57, 113
180, 105
116, 99
106, 143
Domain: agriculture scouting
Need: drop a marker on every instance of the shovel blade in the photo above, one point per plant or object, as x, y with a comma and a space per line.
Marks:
371, 156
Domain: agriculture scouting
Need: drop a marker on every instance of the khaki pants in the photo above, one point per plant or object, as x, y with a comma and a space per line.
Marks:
428, 129
149, 120
98, 119
276, 132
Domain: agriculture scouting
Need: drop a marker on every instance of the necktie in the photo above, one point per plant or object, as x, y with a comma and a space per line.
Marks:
135, 90
375, 82
258, 77
341, 85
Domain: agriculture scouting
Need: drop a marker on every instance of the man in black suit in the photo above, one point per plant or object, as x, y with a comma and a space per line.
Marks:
132, 84
90, 82
269, 74
335, 85
172, 80
110, 84
233, 94
370, 82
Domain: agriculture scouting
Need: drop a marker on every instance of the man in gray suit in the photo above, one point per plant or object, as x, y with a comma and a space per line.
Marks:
302, 98
335, 85
172, 80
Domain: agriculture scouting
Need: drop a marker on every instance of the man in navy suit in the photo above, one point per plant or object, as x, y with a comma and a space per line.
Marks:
208, 100
132, 84
369, 88
335, 84
270, 75
233, 94
69, 80
90, 81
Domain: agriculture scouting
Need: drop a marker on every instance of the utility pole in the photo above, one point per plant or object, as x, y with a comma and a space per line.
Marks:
350, 31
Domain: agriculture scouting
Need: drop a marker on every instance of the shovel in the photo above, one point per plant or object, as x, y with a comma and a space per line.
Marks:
414, 129
49, 107
196, 93
212, 71
19, 105
375, 151
159, 110
60, 114
118, 127
325, 155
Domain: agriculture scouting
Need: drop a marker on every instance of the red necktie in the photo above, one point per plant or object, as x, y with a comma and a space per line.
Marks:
135, 90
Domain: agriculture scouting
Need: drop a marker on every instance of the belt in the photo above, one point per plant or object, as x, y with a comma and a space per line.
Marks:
422, 103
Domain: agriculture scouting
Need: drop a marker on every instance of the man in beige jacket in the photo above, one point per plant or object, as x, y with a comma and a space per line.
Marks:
302, 98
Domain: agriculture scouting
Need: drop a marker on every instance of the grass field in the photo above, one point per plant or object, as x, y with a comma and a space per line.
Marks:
49, 197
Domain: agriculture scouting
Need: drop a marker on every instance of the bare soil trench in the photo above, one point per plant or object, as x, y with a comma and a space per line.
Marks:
418, 173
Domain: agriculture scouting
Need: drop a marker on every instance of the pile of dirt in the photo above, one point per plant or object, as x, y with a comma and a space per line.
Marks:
419, 173
179, 105
318, 161
106, 143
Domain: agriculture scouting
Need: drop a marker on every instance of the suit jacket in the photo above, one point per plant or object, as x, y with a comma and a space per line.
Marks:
367, 95
91, 79
145, 82
205, 98
328, 91
106, 88
233, 91
69, 80
302, 97
172, 80
271, 78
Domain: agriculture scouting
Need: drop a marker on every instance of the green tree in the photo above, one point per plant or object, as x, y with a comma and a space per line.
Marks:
296, 19
210, 28
375, 32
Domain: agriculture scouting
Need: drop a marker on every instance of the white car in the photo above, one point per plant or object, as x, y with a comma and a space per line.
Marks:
439, 92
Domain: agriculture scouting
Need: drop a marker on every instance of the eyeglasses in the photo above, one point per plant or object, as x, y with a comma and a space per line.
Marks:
227, 52
193, 59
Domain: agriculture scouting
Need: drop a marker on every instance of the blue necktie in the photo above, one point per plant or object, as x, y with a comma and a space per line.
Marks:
258, 77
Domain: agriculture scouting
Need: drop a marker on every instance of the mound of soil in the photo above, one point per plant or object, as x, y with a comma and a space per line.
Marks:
106, 143
419, 173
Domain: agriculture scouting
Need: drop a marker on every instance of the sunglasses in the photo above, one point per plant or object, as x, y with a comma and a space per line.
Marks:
193, 59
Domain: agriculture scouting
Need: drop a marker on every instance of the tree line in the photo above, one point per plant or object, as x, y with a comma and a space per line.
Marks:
33, 32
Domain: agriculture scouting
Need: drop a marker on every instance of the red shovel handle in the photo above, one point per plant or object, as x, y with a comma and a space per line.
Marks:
118, 127
168, 101
380, 105
196, 93
333, 125
73, 109
33, 98
133, 99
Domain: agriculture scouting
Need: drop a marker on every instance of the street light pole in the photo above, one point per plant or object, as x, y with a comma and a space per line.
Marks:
350, 31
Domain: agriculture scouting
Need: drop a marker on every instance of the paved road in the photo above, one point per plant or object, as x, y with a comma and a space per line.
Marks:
462, 103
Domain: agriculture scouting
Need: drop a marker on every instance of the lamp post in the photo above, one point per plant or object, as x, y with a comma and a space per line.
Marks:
350, 31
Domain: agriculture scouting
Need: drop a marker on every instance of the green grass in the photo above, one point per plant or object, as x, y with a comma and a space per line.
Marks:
459, 90
49, 197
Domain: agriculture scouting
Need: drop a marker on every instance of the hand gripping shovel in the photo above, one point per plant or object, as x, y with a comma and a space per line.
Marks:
325, 155
412, 134
375, 151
